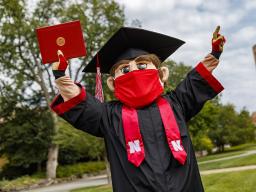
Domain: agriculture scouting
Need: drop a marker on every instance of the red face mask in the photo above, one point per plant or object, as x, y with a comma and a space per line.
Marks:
138, 88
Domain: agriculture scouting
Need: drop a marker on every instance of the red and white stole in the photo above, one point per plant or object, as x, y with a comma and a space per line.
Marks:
133, 139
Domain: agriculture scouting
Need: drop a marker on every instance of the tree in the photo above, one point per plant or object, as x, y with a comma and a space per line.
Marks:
20, 62
76, 145
24, 140
244, 130
225, 123
178, 72
202, 123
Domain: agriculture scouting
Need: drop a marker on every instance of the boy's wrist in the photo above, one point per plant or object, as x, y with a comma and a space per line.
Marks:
216, 54
57, 73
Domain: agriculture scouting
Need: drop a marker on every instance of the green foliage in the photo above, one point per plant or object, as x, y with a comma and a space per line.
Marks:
25, 140
26, 132
225, 123
63, 172
26, 86
199, 126
231, 127
24, 137
19, 53
80, 168
244, 130
202, 142
18, 184
3, 161
178, 72
76, 145
222, 125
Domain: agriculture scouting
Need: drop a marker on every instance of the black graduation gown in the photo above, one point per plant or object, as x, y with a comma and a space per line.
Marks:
159, 172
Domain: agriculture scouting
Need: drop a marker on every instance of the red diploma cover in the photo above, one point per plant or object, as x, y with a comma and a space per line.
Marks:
67, 37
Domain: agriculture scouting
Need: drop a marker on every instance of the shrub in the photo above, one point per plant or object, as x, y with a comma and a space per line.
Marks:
80, 169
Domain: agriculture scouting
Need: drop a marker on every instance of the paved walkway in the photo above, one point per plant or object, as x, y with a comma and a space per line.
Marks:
102, 180
67, 187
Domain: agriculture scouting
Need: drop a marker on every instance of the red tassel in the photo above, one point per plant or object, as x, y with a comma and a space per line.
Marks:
98, 88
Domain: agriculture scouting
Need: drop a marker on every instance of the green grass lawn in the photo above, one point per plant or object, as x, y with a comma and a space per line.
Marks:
240, 161
104, 188
243, 147
242, 181
219, 155
236, 150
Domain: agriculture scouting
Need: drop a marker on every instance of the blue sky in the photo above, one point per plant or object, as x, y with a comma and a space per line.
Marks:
194, 21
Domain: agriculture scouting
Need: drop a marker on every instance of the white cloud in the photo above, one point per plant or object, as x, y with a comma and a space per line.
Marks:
245, 35
249, 5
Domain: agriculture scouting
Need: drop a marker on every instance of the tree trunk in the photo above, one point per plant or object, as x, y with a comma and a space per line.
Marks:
52, 162
53, 150
39, 167
222, 148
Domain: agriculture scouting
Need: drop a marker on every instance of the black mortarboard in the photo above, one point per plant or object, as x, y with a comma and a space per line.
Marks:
128, 43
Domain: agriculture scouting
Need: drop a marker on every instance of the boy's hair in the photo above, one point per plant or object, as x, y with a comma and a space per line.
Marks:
149, 57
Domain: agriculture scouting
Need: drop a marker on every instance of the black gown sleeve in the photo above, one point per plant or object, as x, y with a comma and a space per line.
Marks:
84, 112
198, 87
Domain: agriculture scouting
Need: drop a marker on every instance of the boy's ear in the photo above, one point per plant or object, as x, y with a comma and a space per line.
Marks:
164, 74
110, 83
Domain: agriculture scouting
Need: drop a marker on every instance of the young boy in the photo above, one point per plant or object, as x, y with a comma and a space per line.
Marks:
145, 132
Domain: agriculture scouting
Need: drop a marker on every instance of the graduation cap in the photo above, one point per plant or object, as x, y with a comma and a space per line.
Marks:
129, 43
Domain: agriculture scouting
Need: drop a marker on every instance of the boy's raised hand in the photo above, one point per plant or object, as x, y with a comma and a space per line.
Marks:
59, 67
218, 42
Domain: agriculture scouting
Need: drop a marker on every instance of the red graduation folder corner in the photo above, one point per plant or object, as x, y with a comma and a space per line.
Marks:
67, 37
